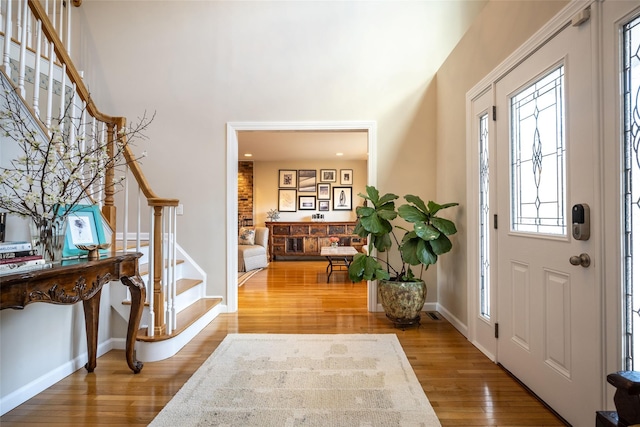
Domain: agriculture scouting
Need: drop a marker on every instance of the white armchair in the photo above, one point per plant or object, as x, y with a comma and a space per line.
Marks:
254, 256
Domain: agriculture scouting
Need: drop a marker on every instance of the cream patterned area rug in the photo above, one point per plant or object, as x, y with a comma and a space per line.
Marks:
302, 380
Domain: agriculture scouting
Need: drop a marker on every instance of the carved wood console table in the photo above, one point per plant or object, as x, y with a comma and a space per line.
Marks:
81, 280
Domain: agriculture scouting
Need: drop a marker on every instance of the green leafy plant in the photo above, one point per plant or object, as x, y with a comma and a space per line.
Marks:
419, 246
273, 214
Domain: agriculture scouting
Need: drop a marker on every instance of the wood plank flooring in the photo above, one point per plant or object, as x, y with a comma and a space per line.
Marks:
464, 387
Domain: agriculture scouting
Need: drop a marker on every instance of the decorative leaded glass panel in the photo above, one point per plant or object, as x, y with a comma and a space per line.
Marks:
483, 137
538, 194
631, 88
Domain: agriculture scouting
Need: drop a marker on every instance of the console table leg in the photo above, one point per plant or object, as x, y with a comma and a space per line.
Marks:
138, 297
91, 315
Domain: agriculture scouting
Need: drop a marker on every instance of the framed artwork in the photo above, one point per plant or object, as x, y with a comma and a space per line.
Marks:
287, 200
288, 178
307, 180
346, 176
327, 175
84, 227
323, 205
324, 191
342, 198
307, 203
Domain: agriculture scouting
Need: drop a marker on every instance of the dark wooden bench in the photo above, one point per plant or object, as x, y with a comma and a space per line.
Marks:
626, 399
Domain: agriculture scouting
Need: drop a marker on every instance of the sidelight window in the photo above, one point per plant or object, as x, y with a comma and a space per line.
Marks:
631, 243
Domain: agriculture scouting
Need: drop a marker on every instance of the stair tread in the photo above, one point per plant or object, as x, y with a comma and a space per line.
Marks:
183, 285
185, 318
144, 268
131, 244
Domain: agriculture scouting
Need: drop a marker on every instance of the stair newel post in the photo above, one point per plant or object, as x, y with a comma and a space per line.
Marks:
158, 266
108, 207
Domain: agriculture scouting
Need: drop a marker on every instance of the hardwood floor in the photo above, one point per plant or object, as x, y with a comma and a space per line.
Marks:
464, 387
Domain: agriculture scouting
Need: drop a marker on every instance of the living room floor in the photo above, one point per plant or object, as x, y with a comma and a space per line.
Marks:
464, 387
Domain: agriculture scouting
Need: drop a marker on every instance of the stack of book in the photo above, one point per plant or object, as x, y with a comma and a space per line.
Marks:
19, 257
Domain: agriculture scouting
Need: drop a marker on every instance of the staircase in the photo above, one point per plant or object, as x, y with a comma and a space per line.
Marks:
193, 309
34, 58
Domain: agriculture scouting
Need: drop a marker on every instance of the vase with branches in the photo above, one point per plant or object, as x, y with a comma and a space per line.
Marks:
54, 168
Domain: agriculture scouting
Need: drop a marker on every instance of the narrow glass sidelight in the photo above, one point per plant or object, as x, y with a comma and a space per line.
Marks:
538, 157
483, 139
631, 242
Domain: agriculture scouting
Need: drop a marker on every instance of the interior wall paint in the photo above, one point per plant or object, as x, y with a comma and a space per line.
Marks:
266, 188
200, 65
490, 39
44, 343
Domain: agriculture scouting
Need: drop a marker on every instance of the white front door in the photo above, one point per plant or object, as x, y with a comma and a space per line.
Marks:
548, 309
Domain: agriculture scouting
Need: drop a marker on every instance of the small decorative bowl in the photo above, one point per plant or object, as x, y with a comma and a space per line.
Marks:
94, 250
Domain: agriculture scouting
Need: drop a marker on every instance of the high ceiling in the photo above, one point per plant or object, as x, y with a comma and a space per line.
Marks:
302, 145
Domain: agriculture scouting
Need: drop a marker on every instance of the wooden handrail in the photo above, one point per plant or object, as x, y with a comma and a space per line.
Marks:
163, 202
61, 53
74, 76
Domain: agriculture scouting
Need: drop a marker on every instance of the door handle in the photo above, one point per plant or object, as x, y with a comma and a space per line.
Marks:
582, 259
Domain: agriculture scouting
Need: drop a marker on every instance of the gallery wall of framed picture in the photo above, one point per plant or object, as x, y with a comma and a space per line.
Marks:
321, 190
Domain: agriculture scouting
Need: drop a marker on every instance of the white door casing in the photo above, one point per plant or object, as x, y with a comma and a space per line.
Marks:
232, 188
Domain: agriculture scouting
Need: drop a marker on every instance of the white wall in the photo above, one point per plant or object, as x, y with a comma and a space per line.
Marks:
200, 65
265, 184
488, 42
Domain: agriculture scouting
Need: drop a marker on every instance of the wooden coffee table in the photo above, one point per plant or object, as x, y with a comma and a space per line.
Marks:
339, 257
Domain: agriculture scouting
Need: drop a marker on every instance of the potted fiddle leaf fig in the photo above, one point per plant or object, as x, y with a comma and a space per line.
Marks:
401, 293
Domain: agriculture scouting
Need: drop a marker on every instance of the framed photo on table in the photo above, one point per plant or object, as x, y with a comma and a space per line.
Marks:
307, 203
286, 200
346, 176
84, 227
288, 178
342, 197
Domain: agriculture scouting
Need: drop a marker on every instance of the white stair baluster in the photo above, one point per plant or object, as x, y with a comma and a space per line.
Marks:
173, 257
150, 295
63, 91
7, 40
23, 47
68, 41
52, 58
36, 77
125, 214
165, 273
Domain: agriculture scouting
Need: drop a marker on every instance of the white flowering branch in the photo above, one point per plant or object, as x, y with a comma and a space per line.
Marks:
58, 166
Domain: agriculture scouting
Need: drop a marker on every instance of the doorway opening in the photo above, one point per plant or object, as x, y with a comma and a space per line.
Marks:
233, 130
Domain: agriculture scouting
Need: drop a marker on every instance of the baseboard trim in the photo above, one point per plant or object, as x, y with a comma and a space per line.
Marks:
460, 326
26, 392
